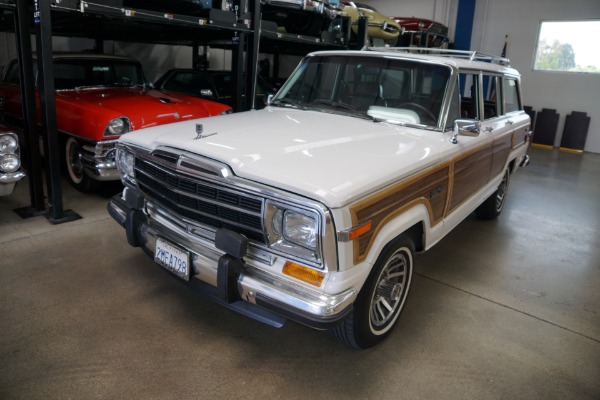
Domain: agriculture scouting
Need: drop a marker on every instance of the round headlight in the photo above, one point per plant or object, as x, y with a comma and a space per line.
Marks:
126, 163
116, 127
8, 144
9, 163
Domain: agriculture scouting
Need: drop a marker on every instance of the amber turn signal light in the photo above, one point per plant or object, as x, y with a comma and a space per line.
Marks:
303, 273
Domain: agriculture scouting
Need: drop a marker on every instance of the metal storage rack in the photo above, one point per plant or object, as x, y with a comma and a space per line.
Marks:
109, 20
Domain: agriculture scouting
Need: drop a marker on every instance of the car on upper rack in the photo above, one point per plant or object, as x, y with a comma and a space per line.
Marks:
421, 32
312, 209
98, 99
300, 17
211, 85
379, 27
11, 171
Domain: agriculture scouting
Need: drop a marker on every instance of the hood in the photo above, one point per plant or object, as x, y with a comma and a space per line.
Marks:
144, 107
334, 159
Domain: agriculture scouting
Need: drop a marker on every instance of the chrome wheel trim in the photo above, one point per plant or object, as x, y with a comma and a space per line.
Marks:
501, 192
390, 291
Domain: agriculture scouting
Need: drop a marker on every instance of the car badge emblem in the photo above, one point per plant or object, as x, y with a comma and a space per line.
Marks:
199, 130
176, 115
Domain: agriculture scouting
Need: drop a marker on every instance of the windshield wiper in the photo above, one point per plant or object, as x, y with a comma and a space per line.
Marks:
286, 101
336, 104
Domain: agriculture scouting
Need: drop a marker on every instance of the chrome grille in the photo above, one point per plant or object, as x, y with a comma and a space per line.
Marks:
201, 201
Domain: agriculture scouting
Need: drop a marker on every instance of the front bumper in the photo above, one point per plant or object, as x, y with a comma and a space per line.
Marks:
98, 161
256, 293
8, 180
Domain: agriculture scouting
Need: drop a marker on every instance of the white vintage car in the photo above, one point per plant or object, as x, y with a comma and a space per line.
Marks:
312, 208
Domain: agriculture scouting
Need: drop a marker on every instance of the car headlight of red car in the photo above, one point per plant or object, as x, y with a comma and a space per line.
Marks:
9, 152
117, 127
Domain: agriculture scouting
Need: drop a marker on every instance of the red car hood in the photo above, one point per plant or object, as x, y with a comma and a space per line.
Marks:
143, 107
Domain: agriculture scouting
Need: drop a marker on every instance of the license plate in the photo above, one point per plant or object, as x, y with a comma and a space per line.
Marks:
172, 258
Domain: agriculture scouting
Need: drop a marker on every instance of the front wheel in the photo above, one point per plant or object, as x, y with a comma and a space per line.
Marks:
76, 174
493, 205
382, 298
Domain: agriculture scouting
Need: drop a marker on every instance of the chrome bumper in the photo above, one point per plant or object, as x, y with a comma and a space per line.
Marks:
258, 293
99, 161
8, 180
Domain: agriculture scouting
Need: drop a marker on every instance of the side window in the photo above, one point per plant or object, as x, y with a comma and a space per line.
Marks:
12, 74
469, 95
511, 95
491, 98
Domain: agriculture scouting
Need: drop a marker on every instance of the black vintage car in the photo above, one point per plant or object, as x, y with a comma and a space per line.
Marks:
211, 85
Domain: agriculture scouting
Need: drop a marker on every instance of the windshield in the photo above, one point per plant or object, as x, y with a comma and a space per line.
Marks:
391, 89
73, 73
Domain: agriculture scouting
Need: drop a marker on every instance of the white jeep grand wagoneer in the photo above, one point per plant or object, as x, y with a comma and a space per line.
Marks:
312, 208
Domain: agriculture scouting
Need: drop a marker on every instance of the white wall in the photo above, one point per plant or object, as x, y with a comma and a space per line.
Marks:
562, 91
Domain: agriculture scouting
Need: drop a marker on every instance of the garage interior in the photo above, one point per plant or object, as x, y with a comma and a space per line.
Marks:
501, 309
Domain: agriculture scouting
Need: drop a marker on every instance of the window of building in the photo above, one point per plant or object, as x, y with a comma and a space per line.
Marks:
568, 46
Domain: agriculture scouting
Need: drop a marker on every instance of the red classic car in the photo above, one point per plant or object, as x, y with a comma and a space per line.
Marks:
99, 98
422, 32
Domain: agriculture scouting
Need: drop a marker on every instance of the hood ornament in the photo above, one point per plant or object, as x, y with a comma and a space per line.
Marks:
199, 130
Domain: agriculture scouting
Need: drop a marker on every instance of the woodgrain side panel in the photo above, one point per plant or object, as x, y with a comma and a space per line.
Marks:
471, 173
429, 188
502, 148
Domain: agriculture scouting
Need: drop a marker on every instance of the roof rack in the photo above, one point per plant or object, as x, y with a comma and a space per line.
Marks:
471, 55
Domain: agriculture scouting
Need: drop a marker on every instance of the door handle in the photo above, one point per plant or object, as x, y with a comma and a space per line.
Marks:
488, 129
509, 122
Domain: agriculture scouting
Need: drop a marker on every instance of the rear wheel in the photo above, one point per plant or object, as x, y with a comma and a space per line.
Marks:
382, 298
76, 173
493, 205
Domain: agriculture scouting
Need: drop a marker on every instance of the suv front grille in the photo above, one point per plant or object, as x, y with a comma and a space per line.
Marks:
201, 201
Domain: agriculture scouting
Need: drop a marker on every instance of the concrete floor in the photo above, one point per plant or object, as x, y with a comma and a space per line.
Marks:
508, 309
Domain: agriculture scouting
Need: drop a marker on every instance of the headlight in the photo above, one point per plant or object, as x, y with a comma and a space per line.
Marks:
8, 144
9, 163
293, 231
300, 229
126, 165
117, 126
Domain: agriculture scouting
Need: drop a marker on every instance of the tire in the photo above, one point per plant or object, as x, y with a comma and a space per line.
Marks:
75, 171
382, 298
493, 205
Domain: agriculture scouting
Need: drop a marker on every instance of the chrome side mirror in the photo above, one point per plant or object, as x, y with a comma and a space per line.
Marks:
465, 127
270, 98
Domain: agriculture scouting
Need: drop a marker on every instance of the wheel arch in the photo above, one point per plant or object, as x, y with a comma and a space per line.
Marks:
413, 223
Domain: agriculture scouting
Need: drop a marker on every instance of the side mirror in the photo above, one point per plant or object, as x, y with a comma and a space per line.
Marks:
269, 99
206, 93
465, 127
